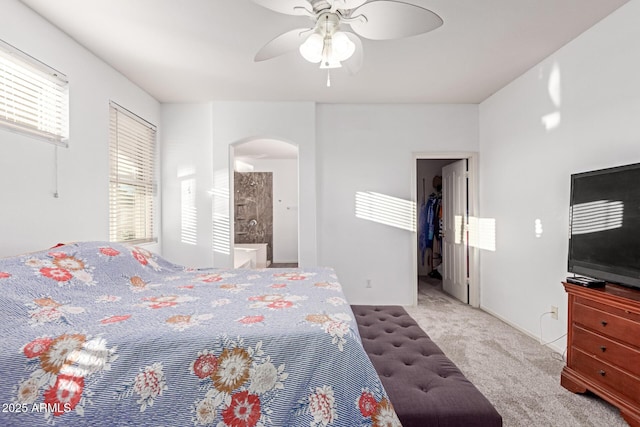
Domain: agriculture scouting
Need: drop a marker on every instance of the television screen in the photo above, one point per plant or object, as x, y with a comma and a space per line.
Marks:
605, 225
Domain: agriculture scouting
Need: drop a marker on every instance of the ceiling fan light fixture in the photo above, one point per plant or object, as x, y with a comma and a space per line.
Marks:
312, 48
328, 46
343, 48
329, 63
329, 58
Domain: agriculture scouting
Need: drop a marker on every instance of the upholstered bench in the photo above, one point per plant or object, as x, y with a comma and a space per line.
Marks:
424, 386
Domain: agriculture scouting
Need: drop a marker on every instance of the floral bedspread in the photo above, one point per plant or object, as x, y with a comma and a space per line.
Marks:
103, 334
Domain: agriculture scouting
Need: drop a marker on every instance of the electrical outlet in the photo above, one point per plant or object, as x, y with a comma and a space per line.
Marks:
554, 312
368, 283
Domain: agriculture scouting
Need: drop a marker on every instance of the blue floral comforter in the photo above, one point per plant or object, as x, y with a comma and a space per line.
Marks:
103, 334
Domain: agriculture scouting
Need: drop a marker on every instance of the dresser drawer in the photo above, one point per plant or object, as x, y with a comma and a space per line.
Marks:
603, 348
633, 315
607, 376
607, 324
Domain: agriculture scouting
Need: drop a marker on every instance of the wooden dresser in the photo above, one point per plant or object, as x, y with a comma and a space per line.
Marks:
603, 346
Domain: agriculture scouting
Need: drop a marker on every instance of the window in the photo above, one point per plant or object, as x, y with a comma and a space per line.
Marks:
132, 143
34, 98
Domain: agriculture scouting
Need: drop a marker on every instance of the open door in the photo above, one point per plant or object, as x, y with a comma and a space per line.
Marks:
454, 242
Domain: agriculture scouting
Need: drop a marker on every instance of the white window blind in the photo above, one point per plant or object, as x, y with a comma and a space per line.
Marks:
132, 143
34, 98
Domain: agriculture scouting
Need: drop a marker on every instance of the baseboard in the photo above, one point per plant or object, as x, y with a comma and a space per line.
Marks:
552, 346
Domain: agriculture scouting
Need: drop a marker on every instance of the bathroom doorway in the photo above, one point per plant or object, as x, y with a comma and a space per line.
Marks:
265, 203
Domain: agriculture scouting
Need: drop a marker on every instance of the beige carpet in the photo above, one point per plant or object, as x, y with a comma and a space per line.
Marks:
520, 377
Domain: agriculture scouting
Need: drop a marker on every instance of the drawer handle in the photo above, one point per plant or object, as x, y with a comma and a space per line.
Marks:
603, 348
602, 373
603, 322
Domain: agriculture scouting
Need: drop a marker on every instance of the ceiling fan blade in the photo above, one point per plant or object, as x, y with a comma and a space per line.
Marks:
354, 63
388, 19
284, 43
289, 7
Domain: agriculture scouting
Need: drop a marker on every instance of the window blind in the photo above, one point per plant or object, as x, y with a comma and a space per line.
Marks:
132, 143
34, 98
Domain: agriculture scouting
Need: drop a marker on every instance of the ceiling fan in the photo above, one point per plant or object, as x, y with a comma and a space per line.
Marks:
327, 44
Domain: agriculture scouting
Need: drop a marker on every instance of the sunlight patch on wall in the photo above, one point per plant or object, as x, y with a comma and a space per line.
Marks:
593, 217
386, 210
553, 86
188, 212
552, 120
482, 233
220, 212
538, 227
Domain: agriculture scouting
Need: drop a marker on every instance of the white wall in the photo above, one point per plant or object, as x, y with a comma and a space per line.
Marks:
202, 134
370, 148
525, 165
187, 156
343, 149
30, 217
285, 206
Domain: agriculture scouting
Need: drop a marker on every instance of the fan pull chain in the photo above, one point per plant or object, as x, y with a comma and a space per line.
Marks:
328, 78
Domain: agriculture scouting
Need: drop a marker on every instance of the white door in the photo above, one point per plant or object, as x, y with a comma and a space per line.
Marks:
454, 218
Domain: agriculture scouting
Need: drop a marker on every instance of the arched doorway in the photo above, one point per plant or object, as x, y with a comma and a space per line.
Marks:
264, 203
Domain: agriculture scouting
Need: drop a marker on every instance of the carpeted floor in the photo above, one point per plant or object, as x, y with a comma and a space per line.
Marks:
520, 377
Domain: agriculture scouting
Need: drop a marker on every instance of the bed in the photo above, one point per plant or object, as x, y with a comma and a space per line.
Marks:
98, 333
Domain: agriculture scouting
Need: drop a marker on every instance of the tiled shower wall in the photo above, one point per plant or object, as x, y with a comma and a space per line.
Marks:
253, 200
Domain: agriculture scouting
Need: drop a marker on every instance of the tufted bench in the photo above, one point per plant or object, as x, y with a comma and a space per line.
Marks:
424, 386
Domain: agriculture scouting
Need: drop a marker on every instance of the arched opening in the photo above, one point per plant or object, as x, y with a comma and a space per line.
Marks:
264, 203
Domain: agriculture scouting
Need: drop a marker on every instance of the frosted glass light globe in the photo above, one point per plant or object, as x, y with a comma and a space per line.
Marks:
343, 47
311, 49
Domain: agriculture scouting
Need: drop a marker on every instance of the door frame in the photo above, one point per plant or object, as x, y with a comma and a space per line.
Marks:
231, 186
474, 252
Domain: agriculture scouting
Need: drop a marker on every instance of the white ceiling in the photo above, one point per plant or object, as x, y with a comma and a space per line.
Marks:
203, 50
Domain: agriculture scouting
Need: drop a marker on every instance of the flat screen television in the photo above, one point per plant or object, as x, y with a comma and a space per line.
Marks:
604, 225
